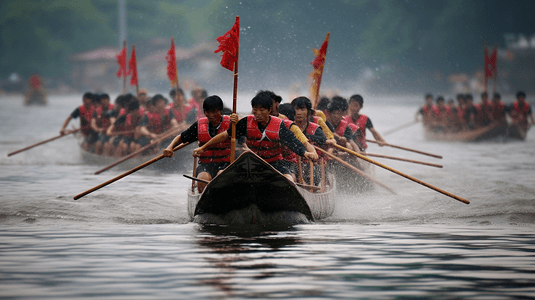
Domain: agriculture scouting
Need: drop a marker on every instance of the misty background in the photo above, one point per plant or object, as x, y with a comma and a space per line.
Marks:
386, 46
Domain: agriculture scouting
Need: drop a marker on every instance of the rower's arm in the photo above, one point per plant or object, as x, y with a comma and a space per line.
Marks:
62, 131
144, 131
110, 129
299, 134
216, 139
174, 123
378, 137
326, 130
94, 125
168, 152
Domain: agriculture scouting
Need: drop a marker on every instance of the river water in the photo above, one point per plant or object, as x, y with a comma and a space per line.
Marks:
133, 239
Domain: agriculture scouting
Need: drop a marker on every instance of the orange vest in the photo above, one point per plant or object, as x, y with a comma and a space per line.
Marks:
219, 152
265, 145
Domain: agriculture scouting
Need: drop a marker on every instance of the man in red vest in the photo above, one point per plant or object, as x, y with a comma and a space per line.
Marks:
85, 112
520, 110
217, 157
427, 112
156, 122
362, 122
100, 122
264, 134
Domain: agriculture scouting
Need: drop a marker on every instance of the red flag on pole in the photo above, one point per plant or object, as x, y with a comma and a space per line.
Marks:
171, 64
490, 63
318, 63
132, 67
229, 43
121, 60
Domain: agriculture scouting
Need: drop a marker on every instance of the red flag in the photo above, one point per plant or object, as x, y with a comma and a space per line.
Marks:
229, 43
490, 63
319, 61
121, 60
132, 67
171, 64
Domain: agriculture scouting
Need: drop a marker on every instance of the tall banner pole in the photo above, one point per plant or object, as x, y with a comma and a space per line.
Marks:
234, 99
495, 51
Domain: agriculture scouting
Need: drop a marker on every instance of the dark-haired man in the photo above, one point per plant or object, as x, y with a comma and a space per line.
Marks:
264, 134
157, 122
342, 130
178, 106
100, 121
85, 112
520, 110
361, 122
426, 111
217, 157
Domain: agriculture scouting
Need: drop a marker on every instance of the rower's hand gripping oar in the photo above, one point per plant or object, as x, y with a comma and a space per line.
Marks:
127, 173
406, 149
43, 142
404, 175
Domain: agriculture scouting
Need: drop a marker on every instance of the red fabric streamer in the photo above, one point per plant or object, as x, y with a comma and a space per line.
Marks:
132, 67
320, 55
490, 63
229, 43
121, 60
171, 64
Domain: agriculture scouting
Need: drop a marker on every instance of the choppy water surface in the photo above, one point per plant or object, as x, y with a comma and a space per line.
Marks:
133, 239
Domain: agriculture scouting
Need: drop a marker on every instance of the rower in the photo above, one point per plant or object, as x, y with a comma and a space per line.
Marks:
342, 130
362, 122
426, 111
264, 134
127, 123
484, 111
177, 106
195, 105
314, 133
157, 121
84, 111
520, 110
442, 115
143, 97
499, 109
470, 112
100, 121
216, 158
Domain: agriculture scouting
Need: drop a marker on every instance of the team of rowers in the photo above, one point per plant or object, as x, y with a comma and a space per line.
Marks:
277, 133
448, 117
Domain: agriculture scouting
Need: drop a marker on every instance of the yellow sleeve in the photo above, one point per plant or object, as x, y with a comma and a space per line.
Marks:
320, 114
298, 133
325, 129
281, 116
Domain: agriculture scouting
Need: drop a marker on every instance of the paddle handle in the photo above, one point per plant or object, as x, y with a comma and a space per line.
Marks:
127, 173
406, 160
407, 149
355, 170
404, 175
43, 142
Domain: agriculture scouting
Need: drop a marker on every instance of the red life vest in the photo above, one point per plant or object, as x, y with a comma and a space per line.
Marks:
103, 121
286, 153
193, 104
265, 145
219, 152
524, 111
132, 121
122, 111
310, 131
361, 131
158, 124
315, 119
85, 118
498, 110
179, 115
341, 128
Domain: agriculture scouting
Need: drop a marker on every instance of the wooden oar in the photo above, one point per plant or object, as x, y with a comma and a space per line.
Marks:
129, 156
43, 142
406, 149
121, 132
207, 182
127, 173
404, 175
400, 127
404, 159
356, 170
